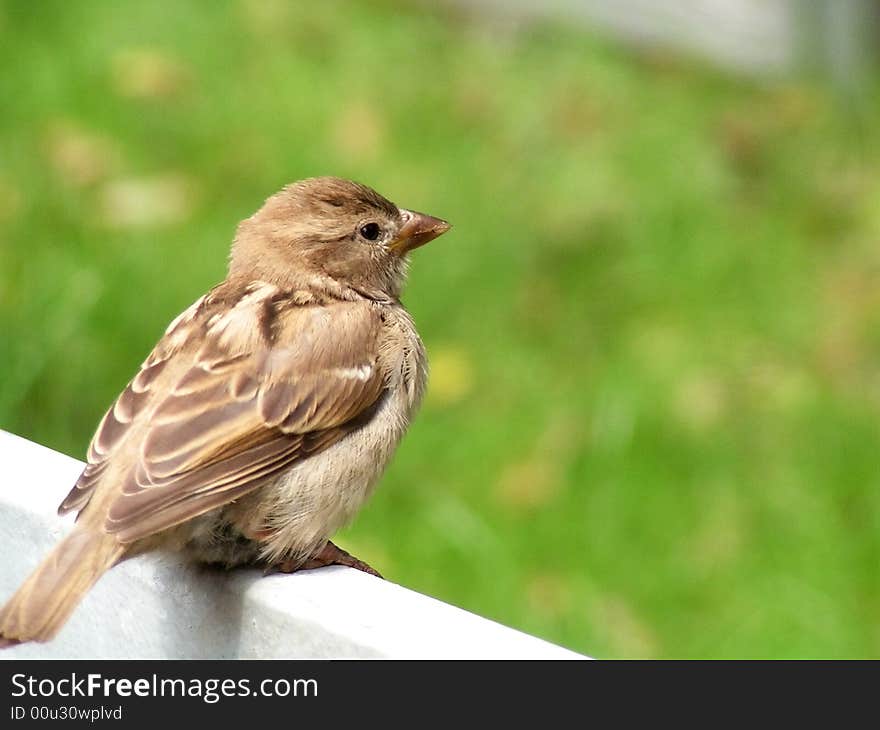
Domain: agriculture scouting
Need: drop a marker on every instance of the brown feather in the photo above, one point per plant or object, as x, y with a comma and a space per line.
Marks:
45, 600
221, 432
303, 346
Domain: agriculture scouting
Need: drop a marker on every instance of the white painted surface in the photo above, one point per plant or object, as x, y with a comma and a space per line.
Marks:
763, 37
161, 607
751, 35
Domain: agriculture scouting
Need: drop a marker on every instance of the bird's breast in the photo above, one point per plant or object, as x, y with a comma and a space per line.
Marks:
305, 505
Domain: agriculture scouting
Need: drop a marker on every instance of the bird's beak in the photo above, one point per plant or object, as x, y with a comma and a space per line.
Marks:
417, 230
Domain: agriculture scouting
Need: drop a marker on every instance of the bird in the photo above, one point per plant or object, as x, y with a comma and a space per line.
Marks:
263, 418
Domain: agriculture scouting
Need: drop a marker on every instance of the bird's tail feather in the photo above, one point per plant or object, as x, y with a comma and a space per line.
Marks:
46, 599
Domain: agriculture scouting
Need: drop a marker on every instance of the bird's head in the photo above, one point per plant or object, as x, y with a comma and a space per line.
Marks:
332, 229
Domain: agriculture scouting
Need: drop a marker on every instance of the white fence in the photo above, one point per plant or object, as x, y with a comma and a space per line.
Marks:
839, 37
161, 607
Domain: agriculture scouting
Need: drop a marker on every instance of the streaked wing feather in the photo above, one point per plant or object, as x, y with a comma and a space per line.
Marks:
143, 512
115, 424
230, 424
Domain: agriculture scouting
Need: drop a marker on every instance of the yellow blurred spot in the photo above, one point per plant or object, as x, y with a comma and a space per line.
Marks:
549, 595
266, 17
846, 331
150, 74
359, 132
794, 106
474, 101
148, 201
574, 114
528, 484
627, 633
700, 401
452, 376
660, 346
540, 288
78, 156
747, 131
539, 477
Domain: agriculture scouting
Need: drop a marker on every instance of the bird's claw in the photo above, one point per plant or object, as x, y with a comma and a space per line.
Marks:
330, 554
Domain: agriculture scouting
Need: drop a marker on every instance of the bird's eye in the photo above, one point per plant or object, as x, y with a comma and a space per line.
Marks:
370, 231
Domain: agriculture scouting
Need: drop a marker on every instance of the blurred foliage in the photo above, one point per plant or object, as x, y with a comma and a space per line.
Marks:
655, 328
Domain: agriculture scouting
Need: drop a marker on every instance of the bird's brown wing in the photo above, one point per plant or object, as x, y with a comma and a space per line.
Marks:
269, 384
133, 403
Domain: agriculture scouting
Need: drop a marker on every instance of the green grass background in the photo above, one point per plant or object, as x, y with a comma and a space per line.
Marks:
652, 425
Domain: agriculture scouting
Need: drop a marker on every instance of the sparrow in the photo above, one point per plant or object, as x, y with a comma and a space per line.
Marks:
262, 420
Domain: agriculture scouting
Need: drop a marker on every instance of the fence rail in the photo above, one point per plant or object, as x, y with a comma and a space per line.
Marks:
162, 607
840, 38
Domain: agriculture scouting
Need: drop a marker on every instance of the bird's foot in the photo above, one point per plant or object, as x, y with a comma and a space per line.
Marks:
330, 554
6, 643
